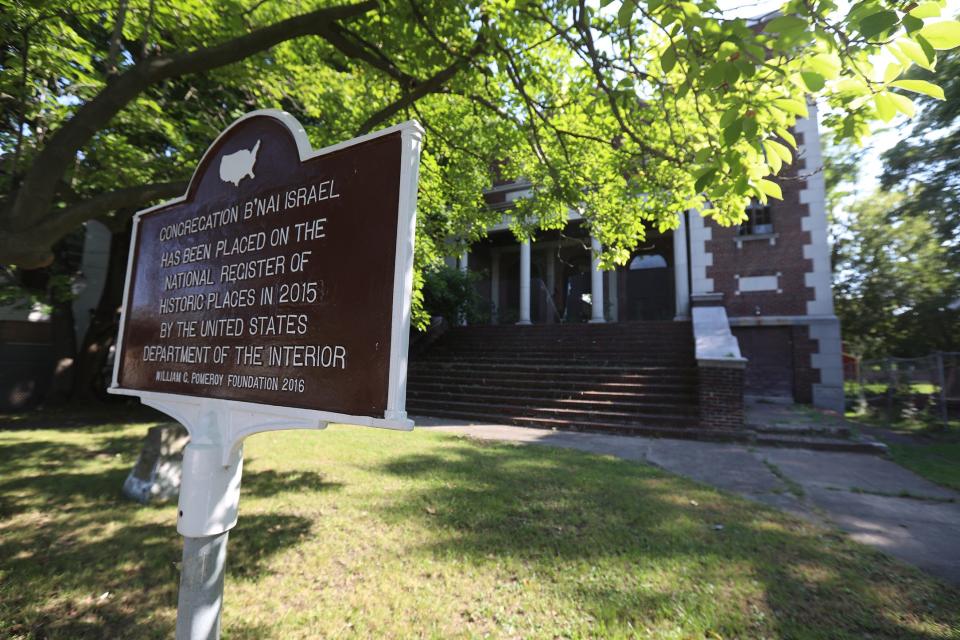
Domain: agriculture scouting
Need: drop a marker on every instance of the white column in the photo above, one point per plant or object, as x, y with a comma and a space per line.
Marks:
494, 284
612, 281
551, 272
464, 268
524, 283
681, 285
596, 282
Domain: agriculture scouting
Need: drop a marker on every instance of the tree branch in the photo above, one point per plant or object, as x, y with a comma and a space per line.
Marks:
431, 85
34, 197
100, 204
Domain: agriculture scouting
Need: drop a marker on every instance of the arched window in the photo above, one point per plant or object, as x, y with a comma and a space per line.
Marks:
648, 261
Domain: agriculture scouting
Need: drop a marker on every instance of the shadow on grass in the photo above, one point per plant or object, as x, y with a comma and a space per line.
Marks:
77, 560
136, 565
85, 416
552, 509
264, 484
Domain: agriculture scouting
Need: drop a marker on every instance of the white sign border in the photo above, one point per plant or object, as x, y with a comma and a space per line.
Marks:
227, 422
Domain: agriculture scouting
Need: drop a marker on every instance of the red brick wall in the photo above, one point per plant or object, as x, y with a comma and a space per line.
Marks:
804, 375
759, 258
721, 397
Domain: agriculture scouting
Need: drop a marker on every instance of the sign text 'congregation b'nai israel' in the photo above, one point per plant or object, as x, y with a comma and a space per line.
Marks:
282, 277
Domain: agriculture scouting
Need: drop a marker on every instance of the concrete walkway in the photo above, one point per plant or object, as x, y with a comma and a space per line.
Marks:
874, 500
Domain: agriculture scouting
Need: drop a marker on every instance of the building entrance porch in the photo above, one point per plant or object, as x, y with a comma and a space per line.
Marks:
555, 278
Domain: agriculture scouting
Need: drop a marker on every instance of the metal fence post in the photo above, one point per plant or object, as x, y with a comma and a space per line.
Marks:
891, 387
942, 382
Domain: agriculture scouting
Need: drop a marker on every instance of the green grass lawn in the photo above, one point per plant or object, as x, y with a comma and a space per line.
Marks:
938, 461
363, 533
932, 450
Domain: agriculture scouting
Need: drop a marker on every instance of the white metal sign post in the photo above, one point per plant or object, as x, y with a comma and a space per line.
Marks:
274, 294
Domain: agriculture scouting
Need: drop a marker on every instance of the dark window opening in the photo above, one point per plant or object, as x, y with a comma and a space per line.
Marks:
759, 220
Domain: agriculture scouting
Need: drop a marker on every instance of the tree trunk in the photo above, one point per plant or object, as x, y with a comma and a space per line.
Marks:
64, 353
92, 376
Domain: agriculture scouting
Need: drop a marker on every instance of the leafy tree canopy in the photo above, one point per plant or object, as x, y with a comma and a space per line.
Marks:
893, 281
629, 113
926, 163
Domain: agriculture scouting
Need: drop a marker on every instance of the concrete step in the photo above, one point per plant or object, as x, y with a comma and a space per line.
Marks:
509, 384
821, 443
804, 430
653, 429
620, 406
680, 415
546, 389
563, 369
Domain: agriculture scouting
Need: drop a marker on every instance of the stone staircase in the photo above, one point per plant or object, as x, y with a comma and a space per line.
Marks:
629, 378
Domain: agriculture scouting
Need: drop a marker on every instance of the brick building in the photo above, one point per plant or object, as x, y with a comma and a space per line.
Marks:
754, 302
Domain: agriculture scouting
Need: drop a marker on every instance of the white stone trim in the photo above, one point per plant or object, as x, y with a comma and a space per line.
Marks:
828, 359
815, 222
748, 284
716, 346
700, 258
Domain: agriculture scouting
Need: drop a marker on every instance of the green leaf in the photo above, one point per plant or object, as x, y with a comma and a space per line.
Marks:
781, 151
827, 65
928, 49
904, 104
669, 59
942, 35
912, 24
705, 178
792, 105
886, 109
626, 12
773, 158
926, 10
788, 137
732, 133
814, 81
877, 23
770, 188
892, 71
915, 52
896, 53
729, 116
731, 73
750, 127
786, 25
716, 75
920, 86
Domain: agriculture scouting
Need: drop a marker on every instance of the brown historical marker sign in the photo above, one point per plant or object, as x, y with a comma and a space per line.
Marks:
282, 277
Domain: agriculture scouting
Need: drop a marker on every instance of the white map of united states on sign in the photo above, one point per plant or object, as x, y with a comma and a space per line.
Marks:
238, 165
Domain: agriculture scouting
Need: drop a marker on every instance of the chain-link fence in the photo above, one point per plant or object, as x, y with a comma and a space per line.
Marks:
925, 389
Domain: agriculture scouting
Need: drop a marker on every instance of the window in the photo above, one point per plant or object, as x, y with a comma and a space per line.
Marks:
648, 261
758, 222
